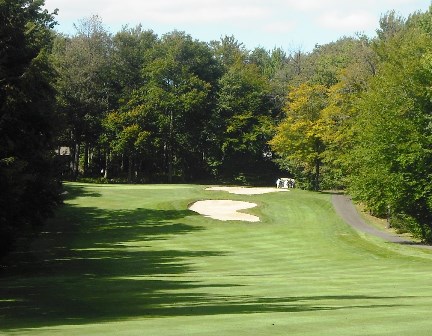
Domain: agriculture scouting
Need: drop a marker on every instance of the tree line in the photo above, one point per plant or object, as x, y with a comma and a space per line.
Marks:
136, 107
366, 127
141, 108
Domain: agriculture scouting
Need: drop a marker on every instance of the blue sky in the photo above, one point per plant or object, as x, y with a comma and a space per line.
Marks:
289, 24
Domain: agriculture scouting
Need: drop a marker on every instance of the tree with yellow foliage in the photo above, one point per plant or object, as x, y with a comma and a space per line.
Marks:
299, 137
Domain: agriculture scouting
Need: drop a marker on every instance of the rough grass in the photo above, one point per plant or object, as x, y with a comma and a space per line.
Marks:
133, 260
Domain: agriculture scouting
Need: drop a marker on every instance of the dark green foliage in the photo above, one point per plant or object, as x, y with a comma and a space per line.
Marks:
142, 108
163, 128
28, 191
392, 156
243, 122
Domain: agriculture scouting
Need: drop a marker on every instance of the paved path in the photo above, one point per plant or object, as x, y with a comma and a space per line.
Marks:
346, 210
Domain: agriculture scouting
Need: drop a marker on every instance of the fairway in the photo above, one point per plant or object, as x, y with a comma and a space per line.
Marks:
133, 260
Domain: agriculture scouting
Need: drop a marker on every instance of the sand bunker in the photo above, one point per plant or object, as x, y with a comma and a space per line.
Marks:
246, 190
224, 210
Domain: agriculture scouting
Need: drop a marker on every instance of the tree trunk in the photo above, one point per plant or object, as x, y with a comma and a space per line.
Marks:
170, 148
107, 164
170, 166
86, 159
122, 165
130, 169
317, 175
76, 159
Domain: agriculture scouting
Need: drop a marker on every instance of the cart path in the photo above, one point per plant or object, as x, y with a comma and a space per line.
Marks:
346, 210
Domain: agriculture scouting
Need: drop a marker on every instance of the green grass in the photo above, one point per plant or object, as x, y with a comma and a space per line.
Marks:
133, 260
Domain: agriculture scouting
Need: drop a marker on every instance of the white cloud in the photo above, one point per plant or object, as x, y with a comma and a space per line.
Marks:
256, 22
279, 27
162, 11
314, 5
353, 21
372, 6
199, 11
77, 9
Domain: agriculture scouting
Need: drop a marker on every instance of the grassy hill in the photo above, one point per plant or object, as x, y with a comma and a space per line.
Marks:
133, 260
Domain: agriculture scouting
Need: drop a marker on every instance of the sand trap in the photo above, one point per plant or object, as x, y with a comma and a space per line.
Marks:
224, 210
246, 190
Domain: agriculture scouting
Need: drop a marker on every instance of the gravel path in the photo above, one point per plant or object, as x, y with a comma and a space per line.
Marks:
346, 210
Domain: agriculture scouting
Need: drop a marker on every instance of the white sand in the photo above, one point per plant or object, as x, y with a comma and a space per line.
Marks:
224, 210
246, 190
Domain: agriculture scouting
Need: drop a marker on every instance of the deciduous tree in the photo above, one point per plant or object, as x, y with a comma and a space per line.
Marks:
392, 156
83, 65
299, 137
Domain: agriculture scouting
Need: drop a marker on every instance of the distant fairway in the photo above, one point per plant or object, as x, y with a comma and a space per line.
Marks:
133, 260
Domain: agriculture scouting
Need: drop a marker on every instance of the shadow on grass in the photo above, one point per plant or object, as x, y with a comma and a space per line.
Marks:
74, 191
94, 265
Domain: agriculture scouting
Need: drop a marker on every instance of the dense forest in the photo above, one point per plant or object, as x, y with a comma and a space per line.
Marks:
134, 107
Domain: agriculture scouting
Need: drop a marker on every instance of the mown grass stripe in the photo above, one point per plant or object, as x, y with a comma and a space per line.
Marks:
133, 259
